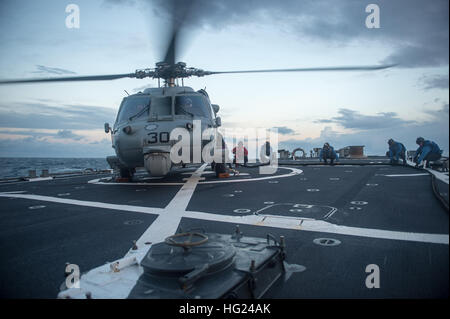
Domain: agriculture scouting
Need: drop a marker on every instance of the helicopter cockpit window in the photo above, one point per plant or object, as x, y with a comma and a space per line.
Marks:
133, 107
193, 105
161, 108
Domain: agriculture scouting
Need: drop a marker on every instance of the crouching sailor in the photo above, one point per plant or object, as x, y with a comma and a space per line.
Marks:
328, 152
427, 151
396, 151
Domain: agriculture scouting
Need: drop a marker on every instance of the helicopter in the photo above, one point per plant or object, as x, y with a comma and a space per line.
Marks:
141, 134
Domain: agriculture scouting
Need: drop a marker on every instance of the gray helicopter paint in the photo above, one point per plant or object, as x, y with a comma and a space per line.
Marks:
130, 148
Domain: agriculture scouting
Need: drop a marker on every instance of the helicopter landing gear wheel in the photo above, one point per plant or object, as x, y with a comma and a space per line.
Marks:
219, 168
127, 172
175, 240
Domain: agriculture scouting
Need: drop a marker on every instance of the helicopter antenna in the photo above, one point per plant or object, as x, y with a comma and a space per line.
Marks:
127, 92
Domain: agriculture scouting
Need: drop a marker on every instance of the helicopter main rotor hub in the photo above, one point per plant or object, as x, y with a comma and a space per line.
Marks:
169, 72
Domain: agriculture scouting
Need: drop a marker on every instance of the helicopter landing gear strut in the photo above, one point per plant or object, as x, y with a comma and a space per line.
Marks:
127, 172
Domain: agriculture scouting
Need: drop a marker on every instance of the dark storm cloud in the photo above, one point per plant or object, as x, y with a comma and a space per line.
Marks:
42, 69
417, 30
44, 116
354, 120
429, 82
284, 130
374, 131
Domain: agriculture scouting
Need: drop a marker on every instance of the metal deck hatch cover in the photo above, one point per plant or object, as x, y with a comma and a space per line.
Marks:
177, 261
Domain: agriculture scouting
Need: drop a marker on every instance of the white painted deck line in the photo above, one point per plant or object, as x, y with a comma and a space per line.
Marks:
167, 225
169, 219
441, 176
38, 179
59, 200
407, 175
296, 223
294, 171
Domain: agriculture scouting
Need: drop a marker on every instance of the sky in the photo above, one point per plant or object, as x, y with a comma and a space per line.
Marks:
309, 109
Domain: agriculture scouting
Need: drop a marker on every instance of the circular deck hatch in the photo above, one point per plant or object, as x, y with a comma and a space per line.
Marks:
164, 259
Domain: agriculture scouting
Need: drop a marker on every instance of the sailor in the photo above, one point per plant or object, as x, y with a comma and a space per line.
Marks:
266, 153
240, 154
221, 166
326, 153
396, 151
427, 151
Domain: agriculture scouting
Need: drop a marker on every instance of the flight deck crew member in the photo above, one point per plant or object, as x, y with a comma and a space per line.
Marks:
396, 151
240, 154
326, 153
427, 151
266, 153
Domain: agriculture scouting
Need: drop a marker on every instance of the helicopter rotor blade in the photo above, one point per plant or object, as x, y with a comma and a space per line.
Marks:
316, 69
178, 11
71, 78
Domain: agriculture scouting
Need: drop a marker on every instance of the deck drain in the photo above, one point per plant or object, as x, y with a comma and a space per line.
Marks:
228, 195
359, 202
63, 194
334, 178
273, 182
295, 210
372, 185
354, 208
242, 210
303, 179
238, 191
313, 190
326, 241
133, 222
36, 207
269, 203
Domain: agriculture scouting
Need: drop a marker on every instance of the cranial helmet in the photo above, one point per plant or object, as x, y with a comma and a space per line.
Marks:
420, 140
391, 141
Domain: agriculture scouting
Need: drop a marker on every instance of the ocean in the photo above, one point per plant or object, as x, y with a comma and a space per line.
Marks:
19, 167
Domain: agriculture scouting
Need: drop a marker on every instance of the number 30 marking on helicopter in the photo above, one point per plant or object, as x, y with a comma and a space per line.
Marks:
164, 137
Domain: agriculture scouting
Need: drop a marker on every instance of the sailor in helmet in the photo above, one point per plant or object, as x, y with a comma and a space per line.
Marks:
396, 151
427, 151
326, 153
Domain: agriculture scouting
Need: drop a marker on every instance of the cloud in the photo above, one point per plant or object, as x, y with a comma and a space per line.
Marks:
67, 134
354, 120
435, 127
438, 81
41, 69
38, 115
284, 130
416, 30
32, 147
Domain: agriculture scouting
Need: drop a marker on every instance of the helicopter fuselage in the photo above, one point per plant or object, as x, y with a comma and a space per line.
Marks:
141, 135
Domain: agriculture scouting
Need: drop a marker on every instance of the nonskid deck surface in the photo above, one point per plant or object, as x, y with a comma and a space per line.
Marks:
383, 215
